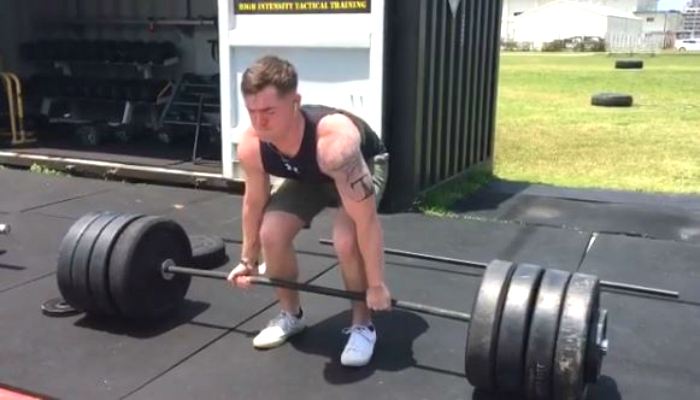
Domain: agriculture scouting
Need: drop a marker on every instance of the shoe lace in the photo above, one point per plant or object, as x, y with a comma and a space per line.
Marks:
284, 320
356, 332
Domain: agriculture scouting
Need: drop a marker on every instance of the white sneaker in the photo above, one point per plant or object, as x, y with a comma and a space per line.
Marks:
360, 347
278, 330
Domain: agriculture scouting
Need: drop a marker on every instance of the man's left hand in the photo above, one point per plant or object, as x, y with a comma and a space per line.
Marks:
378, 298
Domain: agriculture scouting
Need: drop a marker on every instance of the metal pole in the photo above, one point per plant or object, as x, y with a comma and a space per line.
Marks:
305, 287
427, 257
475, 264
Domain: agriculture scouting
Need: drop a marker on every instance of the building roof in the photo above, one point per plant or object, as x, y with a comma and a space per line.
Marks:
594, 8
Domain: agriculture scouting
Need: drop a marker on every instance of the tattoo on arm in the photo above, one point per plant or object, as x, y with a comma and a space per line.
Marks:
356, 181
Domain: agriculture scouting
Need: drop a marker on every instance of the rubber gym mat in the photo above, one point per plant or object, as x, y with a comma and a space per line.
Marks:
80, 358
218, 215
484, 204
658, 222
684, 201
654, 348
131, 198
656, 263
31, 247
417, 356
114, 357
24, 190
228, 306
483, 241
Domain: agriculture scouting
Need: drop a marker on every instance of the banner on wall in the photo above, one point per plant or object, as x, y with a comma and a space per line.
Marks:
300, 7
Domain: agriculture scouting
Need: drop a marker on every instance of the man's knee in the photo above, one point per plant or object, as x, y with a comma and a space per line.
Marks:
277, 234
345, 245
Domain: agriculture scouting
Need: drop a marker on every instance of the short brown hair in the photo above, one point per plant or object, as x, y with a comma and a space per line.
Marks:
269, 70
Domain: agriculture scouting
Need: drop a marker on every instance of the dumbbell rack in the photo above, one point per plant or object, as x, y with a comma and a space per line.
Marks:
194, 96
88, 110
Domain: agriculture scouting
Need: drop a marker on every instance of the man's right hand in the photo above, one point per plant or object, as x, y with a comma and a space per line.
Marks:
239, 275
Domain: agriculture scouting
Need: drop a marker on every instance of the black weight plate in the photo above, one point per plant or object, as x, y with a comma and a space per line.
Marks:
544, 325
99, 263
582, 295
80, 271
597, 343
136, 282
208, 252
66, 252
515, 324
482, 336
58, 307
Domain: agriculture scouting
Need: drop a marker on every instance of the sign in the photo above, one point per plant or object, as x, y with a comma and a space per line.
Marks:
300, 7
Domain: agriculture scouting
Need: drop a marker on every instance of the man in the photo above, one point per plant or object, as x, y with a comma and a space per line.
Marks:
326, 157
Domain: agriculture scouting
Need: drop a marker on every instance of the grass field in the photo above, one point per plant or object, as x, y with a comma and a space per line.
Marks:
547, 131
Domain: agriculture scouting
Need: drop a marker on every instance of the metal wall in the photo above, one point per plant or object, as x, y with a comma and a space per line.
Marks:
441, 74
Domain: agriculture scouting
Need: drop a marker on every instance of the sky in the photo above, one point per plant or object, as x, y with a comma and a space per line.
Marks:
671, 4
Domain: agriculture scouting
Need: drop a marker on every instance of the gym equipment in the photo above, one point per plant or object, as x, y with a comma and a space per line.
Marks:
532, 330
475, 264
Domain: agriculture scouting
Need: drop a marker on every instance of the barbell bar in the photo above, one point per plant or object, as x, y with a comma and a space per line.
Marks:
169, 269
476, 264
532, 331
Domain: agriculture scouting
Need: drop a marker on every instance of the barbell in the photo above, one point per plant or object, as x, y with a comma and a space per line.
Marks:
619, 286
535, 332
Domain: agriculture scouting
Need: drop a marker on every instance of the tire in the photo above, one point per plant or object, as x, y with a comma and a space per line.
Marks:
612, 100
208, 252
629, 64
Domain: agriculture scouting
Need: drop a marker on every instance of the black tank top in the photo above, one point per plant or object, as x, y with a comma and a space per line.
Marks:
303, 166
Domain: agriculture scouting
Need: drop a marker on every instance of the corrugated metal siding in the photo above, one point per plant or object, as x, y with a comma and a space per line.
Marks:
442, 83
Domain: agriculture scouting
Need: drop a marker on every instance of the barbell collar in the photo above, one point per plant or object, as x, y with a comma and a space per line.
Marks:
169, 270
475, 264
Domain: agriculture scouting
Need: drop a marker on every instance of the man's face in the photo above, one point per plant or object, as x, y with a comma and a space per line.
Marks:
271, 115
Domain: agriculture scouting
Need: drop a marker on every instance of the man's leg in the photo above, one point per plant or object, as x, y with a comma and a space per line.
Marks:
351, 263
292, 207
359, 348
277, 234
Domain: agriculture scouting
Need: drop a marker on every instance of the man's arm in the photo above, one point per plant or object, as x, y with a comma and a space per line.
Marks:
340, 157
257, 193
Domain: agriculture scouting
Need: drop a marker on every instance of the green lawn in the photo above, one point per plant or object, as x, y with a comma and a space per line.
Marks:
547, 131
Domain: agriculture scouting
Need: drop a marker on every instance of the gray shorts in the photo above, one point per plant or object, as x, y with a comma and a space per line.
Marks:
306, 200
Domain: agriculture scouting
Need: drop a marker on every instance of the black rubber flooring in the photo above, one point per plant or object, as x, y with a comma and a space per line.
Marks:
44, 353
650, 216
205, 350
31, 247
661, 264
654, 350
657, 222
483, 241
123, 197
422, 359
23, 191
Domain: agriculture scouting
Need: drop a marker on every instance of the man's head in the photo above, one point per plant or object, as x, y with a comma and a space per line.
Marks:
269, 88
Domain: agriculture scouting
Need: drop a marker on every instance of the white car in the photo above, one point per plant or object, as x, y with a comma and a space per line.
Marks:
688, 45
